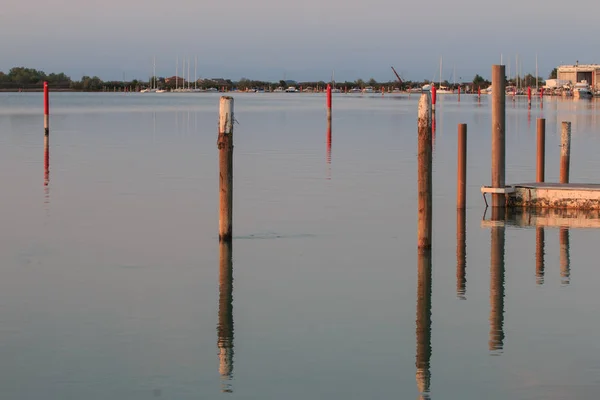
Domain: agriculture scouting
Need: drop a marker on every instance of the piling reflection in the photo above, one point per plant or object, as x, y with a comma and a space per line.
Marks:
496, 337
539, 255
461, 254
565, 256
225, 325
329, 149
46, 169
423, 357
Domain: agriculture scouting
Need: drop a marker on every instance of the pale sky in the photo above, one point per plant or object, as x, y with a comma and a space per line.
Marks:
300, 40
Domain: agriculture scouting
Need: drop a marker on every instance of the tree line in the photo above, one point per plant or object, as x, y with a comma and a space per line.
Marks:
22, 78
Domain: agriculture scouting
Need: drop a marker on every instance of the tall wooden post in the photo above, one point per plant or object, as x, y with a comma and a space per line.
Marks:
541, 150
461, 254
498, 134
225, 325
496, 339
225, 146
424, 172
461, 179
565, 151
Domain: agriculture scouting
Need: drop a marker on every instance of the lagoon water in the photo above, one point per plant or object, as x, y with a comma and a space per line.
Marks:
113, 284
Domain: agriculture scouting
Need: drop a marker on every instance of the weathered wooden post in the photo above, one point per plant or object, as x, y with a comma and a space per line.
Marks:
496, 340
461, 254
541, 150
423, 356
565, 257
225, 324
565, 151
498, 134
46, 110
461, 179
225, 146
539, 255
424, 172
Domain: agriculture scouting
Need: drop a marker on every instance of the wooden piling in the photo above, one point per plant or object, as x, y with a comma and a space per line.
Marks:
461, 254
541, 150
565, 151
225, 324
424, 172
461, 179
498, 134
46, 110
539, 255
225, 146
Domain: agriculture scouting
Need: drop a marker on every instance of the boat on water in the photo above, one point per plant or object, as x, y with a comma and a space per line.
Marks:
582, 90
291, 89
444, 90
368, 89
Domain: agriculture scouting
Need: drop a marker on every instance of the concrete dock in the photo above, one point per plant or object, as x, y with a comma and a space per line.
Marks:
581, 196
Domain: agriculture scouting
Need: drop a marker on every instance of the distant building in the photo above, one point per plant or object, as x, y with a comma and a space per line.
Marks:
580, 72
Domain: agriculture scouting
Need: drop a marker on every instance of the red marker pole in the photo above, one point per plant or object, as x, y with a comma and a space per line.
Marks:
46, 110
529, 96
433, 97
478, 93
328, 102
382, 90
459, 93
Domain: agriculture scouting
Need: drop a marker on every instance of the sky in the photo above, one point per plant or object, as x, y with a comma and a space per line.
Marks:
298, 40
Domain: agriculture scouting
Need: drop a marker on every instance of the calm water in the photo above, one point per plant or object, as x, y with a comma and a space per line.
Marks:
114, 285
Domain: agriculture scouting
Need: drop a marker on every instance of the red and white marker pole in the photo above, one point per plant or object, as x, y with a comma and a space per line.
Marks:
46, 110
433, 97
328, 102
529, 96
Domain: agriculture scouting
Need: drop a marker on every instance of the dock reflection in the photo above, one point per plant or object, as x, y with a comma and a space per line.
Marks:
225, 324
496, 336
423, 323
461, 255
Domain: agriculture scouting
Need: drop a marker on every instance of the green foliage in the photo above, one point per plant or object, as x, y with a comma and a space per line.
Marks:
553, 74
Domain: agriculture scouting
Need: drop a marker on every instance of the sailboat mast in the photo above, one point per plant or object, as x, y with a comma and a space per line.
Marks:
176, 69
188, 73
440, 72
536, 73
196, 73
154, 73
